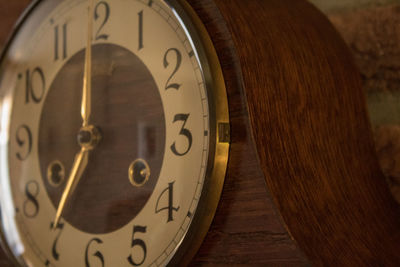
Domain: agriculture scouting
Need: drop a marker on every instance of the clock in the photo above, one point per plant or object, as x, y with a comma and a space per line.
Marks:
118, 128
302, 187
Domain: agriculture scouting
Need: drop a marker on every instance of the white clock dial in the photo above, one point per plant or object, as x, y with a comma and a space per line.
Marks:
144, 179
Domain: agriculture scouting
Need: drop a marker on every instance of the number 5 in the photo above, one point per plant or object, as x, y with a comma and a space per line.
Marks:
138, 242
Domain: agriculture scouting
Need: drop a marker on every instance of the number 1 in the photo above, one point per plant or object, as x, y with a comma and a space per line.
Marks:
140, 29
57, 42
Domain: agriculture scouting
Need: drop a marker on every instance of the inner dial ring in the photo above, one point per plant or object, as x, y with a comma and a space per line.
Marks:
120, 110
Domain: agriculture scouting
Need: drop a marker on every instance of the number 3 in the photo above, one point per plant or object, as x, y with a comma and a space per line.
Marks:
185, 132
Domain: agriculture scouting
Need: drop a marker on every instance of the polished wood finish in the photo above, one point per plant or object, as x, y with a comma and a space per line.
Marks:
247, 229
311, 131
9, 13
302, 162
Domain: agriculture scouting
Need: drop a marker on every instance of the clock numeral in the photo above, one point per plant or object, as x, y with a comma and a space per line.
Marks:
178, 55
97, 254
35, 80
170, 208
138, 243
54, 252
140, 14
185, 132
31, 205
24, 139
57, 42
100, 36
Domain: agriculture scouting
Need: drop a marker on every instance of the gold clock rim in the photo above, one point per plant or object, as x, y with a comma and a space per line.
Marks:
219, 141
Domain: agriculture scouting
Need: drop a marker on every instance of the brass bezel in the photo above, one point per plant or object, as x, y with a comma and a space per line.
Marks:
219, 140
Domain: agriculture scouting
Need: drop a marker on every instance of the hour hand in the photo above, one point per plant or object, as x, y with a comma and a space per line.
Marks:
78, 167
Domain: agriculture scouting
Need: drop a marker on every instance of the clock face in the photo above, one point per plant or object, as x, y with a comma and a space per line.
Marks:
151, 134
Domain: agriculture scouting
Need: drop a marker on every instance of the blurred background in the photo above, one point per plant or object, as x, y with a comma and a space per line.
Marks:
371, 28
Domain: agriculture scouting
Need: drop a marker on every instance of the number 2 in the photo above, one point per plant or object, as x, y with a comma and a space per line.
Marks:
178, 55
106, 17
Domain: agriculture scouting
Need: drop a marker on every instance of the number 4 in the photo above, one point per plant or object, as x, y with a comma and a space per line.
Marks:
170, 208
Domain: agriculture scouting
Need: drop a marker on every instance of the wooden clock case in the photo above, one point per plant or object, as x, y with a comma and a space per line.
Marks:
303, 184
302, 162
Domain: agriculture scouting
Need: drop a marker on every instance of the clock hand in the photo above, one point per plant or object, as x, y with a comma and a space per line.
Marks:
87, 79
81, 159
80, 163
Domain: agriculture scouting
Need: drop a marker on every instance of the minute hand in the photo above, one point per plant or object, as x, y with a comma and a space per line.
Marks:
87, 79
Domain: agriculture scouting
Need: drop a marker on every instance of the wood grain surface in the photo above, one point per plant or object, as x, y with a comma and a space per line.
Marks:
9, 13
247, 229
302, 162
311, 130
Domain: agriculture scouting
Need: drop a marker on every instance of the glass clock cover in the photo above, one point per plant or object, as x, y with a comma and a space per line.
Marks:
107, 142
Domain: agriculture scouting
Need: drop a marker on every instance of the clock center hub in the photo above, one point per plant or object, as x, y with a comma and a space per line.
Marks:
89, 137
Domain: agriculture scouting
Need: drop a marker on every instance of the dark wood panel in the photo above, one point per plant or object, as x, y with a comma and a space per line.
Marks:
247, 229
311, 130
9, 13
